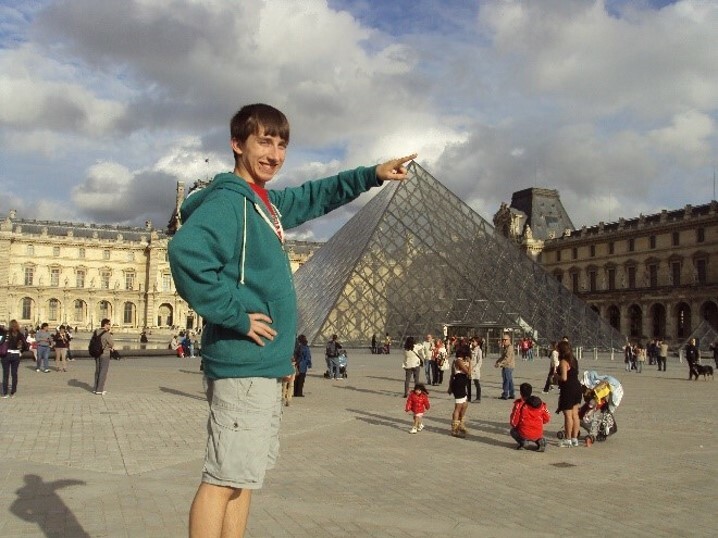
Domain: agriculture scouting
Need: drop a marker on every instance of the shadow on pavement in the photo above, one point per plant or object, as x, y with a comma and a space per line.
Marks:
443, 428
191, 372
80, 384
38, 502
392, 393
180, 393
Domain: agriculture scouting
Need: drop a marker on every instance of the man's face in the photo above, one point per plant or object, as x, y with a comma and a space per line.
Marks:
259, 157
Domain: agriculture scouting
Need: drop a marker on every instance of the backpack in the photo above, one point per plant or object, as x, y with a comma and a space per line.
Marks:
95, 347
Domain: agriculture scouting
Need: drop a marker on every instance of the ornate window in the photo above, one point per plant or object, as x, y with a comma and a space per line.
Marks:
166, 282
54, 276
29, 276
79, 311
53, 313
129, 314
105, 280
676, 273
26, 308
631, 270
130, 281
80, 278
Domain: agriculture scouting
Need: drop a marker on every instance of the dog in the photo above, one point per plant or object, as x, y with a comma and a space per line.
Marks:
704, 370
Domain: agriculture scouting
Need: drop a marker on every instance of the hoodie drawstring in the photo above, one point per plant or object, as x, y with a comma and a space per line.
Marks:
244, 244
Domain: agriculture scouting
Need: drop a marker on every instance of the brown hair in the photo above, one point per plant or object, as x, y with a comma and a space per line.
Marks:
250, 118
565, 353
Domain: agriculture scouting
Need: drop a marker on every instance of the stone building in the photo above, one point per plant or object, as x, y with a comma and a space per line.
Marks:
648, 276
77, 274
534, 215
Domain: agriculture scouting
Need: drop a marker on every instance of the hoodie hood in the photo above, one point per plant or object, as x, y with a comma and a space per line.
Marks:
227, 180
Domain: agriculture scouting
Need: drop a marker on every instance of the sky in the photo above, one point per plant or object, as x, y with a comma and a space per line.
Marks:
104, 105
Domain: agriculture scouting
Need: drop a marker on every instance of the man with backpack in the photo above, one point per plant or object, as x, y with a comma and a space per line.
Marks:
101, 353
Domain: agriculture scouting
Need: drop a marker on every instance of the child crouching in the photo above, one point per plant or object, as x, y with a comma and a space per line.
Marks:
418, 403
528, 416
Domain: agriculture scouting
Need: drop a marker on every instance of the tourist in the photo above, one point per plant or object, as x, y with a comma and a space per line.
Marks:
552, 377
13, 343
662, 354
102, 363
507, 362
304, 363
412, 362
460, 371
570, 394
331, 354
427, 349
439, 361
477, 359
61, 343
528, 416
229, 263
44, 344
692, 358
418, 403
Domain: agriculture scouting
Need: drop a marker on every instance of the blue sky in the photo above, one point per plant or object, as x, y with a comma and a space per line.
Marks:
104, 106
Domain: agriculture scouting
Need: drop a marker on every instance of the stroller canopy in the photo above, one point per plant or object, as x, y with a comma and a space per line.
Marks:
591, 378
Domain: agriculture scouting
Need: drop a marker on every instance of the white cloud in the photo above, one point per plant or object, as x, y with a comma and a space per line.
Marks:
560, 93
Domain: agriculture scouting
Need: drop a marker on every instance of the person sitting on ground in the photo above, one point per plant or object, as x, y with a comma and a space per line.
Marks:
528, 416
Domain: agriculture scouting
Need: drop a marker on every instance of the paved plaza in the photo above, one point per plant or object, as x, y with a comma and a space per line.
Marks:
127, 464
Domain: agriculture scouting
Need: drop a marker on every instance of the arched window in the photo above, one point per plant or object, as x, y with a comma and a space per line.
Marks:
658, 320
635, 320
683, 320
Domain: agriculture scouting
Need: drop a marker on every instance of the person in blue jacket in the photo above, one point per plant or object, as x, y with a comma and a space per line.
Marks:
229, 263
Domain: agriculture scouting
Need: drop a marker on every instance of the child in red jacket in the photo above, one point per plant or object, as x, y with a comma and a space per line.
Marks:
417, 403
528, 416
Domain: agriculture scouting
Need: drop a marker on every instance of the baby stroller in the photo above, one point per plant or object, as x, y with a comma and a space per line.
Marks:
602, 395
342, 362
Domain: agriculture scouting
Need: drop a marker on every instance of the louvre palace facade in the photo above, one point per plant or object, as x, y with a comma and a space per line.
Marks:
648, 276
77, 274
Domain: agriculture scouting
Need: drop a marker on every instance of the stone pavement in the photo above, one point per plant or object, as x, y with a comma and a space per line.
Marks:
127, 464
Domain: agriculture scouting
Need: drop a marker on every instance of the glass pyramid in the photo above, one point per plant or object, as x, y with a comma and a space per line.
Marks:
416, 259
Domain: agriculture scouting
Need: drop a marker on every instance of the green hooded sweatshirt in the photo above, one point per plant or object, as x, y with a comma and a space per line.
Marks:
228, 261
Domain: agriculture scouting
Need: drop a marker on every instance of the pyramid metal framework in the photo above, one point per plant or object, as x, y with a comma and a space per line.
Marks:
415, 259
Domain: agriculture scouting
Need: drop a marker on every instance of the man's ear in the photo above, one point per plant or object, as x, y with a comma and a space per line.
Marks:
235, 145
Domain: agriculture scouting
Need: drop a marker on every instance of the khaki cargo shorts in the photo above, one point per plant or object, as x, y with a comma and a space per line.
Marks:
242, 430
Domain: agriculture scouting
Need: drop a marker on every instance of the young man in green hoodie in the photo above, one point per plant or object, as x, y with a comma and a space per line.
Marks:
228, 262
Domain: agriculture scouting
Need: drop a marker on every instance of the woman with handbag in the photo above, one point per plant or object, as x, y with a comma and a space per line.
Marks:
412, 362
62, 342
12, 344
439, 362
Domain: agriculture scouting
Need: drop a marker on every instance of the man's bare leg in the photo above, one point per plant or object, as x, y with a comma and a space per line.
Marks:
219, 512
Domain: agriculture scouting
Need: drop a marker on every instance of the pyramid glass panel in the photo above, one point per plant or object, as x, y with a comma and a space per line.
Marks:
416, 259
